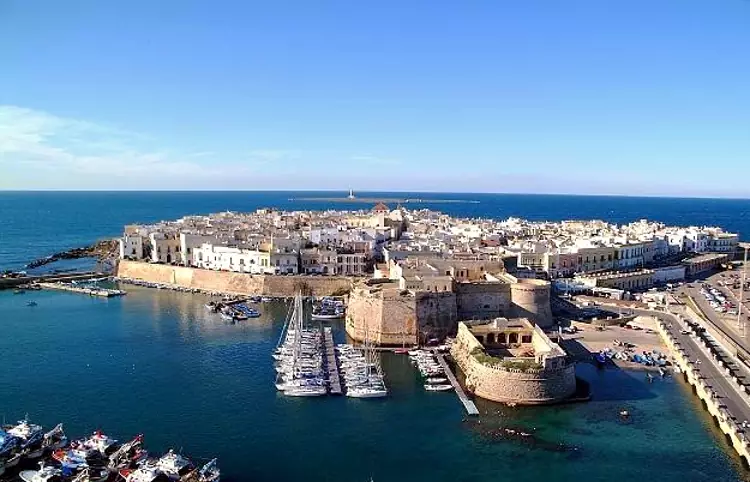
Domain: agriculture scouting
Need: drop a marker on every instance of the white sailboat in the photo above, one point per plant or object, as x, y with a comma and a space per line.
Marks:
364, 375
299, 357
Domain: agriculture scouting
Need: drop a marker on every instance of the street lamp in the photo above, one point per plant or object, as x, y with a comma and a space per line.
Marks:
741, 301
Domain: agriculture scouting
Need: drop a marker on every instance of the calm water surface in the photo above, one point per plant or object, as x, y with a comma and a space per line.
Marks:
157, 362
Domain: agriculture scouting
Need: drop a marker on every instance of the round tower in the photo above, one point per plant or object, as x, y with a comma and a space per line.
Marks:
530, 298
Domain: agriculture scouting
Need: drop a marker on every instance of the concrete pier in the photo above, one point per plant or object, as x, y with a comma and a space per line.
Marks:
334, 379
106, 293
471, 409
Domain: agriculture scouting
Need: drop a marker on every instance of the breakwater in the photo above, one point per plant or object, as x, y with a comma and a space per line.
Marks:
233, 283
100, 250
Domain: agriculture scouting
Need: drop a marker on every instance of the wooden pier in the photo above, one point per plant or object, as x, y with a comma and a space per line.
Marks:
471, 409
334, 379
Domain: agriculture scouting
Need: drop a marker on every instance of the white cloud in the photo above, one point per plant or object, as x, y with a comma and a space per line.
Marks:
62, 153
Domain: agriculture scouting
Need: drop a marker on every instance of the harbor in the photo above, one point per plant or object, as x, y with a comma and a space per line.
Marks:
227, 370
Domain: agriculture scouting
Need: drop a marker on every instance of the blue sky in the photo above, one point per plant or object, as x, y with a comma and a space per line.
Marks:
588, 96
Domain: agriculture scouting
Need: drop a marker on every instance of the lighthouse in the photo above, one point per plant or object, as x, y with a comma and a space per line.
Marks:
351, 194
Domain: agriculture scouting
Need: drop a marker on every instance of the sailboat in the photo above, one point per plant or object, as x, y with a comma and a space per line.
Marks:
299, 357
362, 382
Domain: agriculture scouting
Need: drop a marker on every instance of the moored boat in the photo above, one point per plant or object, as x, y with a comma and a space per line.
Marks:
46, 473
173, 464
438, 388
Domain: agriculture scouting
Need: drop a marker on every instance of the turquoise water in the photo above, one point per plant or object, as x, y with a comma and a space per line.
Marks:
157, 362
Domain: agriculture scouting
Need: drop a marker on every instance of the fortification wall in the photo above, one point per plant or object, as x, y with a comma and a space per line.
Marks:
531, 299
386, 317
436, 314
228, 282
482, 301
526, 387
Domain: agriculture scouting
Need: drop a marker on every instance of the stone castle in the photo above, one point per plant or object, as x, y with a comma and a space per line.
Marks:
425, 298
513, 361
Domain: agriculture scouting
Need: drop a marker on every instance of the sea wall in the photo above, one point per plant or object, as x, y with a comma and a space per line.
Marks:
735, 434
234, 283
509, 385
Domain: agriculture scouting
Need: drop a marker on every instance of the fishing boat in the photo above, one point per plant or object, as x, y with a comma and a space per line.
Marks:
212, 306
55, 438
174, 465
46, 473
438, 388
30, 436
209, 472
8, 444
98, 442
92, 475
144, 473
127, 455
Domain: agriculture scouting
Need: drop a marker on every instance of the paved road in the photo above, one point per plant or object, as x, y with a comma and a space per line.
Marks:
725, 389
727, 323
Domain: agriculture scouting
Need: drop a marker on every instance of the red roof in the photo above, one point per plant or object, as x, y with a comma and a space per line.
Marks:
380, 207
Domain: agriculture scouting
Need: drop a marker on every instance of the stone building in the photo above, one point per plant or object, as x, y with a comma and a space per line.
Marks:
414, 309
513, 361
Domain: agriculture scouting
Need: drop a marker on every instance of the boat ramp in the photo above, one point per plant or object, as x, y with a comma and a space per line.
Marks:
471, 409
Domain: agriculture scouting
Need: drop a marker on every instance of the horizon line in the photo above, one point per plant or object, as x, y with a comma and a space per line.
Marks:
398, 191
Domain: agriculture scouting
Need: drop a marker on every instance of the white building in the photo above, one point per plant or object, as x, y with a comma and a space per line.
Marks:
229, 258
131, 247
189, 242
285, 262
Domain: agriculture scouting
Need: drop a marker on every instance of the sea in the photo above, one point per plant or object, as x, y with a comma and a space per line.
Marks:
157, 362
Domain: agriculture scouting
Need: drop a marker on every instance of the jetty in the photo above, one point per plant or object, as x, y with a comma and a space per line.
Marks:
85, 290
334, 378
471, 409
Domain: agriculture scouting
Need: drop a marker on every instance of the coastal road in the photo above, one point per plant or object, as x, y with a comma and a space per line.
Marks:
727, 324
727, 391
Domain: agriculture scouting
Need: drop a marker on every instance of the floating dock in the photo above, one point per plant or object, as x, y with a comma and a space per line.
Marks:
334, 379
471, 409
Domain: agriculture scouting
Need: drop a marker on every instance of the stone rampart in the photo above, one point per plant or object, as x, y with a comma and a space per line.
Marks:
229, 282
499, 384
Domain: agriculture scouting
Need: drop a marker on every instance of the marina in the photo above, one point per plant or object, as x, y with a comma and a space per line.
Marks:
226, 370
